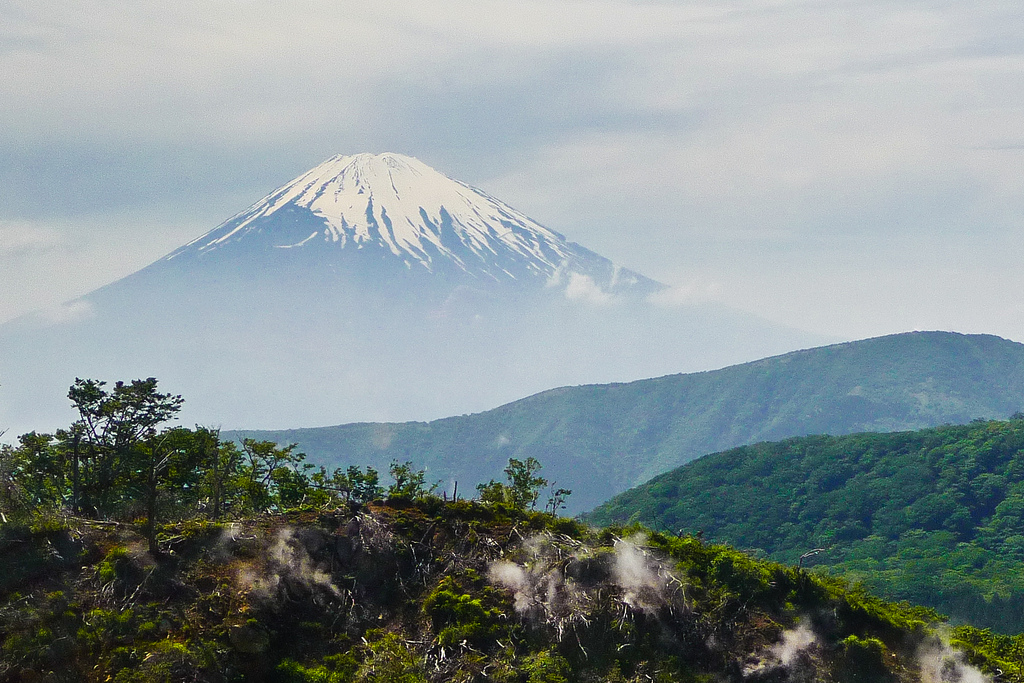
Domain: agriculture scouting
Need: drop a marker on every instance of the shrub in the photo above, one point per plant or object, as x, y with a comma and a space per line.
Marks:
389, 660
458, 616
546, 667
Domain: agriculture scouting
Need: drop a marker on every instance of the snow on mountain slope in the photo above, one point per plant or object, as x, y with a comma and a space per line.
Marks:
416, 214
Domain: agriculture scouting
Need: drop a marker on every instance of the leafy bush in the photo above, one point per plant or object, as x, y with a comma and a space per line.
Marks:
546, 666
863, 661
333, 669
457, 616
389, 660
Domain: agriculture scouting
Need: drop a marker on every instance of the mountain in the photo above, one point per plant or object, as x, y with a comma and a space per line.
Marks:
369, 288
933, 516
601, 440
397, 210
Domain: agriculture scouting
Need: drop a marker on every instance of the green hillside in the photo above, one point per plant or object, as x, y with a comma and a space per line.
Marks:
934, 516
599, 440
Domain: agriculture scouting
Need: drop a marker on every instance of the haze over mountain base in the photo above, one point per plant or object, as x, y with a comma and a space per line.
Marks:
600, 440
369, 288
270, 354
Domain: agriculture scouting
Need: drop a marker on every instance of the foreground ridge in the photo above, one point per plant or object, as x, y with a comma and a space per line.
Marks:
428, 590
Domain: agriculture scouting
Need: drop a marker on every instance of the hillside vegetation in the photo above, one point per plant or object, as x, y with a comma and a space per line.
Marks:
134, 551
934, 516
600, 440
426, 590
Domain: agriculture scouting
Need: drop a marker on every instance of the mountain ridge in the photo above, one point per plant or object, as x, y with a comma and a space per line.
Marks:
396, 206
600, 440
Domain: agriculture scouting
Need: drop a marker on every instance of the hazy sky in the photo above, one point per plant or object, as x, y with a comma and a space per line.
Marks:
850, 167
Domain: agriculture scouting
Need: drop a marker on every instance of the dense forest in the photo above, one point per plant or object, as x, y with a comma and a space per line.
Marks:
934, 516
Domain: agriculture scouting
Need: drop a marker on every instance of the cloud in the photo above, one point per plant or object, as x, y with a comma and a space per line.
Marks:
46, 264
21, 238
583, 288
580, 287
682, 140
61, 314
694, 292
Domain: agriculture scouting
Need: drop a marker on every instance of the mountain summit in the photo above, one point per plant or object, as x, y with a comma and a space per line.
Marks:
396, 208
371, 287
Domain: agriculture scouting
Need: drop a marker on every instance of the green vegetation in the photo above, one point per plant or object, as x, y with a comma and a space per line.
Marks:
523, 488
305, 576
116, 463
431, 590
600, 440
935, 517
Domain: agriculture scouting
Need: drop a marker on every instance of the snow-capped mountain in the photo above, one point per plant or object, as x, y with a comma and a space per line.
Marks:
396, 206
369, 288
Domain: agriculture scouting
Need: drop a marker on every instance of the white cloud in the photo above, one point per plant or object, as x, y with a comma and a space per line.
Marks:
583, 288
19, 238
69, 312
826, 163
688, 294
45, 265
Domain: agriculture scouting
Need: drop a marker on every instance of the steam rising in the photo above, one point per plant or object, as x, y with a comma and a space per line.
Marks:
938, 662
941, 664
794, 643
287, 569
560, 580
518, 580
791, 653
642, 579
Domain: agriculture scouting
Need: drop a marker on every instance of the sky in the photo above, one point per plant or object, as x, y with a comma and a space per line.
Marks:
847, 167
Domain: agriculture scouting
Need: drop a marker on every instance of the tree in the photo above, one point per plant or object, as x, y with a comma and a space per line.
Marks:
36, 469
557, 499
409, 481
168, 466
106, 437
273, 475
350, 486
523, 485
12, 495
219, 483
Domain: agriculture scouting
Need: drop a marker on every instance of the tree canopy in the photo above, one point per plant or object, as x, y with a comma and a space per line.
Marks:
121, 460
934, 516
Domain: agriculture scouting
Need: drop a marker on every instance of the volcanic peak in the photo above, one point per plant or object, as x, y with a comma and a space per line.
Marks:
414, 212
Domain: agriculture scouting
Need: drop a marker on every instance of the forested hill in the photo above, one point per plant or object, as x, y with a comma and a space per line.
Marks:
933, 516
599, 440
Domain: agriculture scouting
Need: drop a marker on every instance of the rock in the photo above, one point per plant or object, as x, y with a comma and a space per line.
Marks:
249, 638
